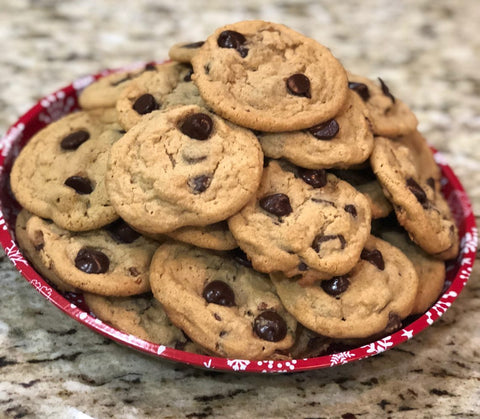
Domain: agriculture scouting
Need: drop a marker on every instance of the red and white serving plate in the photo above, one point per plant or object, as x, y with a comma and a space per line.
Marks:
64, 101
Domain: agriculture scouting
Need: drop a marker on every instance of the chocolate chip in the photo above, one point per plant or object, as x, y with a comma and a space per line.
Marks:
188, 76
92, 261
336, 285
270, 326
302, 267
145, 104
315, 178
431, 182
82, 185
386, 90
121, 232
235, 40
120, 81
193, 45
276, 204
150, 67
219, 292
74, 140
200, 183
193, 160
325, 131
299, 85
419, 193
394, 323
318, 240
133, 271
197, 126
374, 257
351, 210
241, 257
361, 89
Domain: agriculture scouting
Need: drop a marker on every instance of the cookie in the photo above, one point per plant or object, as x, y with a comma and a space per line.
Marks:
305, 223
365, 182
60, 173
417, 200
29, 250
141, 316
389, 116
430, 271
180, 168
104, 92
341, 142
231, 310
184, 51
214, 236
379, 291
113, 261
268, 77
169, 86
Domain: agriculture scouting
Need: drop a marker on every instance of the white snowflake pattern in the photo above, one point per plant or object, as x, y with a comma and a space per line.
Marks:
340, 358
43, 289
440, 159
56, 105
469, 242
208, 364
285, 366
440, 307
238, 364
82, 82
3, 223
13, 135
407, 333
379, 346
13, 253
465, 273
161, 349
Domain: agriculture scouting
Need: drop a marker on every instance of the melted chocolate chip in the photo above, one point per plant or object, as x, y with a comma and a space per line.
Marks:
81, 185
361, 89
315, 178
241, 257
145, 104
193, 45
270, 326
219, 292
374, 257
92, 261
121, 232
200, 183
418, 192
74, 140
336, 285
351, 210
197, 126
386, 90
299, 85
276, 204
325, 131
318, 240
235, 40
302, 267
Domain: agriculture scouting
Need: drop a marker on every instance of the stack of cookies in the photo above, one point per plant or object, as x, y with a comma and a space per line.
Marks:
250, 199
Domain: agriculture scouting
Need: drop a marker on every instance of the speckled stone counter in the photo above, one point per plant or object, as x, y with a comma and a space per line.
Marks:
428, 51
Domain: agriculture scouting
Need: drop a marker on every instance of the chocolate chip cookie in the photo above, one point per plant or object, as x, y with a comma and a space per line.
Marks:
268, 77
231, 310
378, 291
305, 223
180, 167
60, 173
343, 141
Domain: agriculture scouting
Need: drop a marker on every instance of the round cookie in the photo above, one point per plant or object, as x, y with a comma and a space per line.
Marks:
169, 86
214, 236
180, 168
389, 116
141, 316
104, 92
380, 289
231, 310
60, 173
268, 77
184, 51
417, 200
32, 253
430, 271
113, 261
341, 142
305, 223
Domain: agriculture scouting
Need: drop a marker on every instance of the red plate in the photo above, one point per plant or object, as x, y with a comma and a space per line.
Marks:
64, 101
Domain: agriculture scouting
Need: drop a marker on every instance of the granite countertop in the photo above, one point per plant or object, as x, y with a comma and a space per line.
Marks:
427, 51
